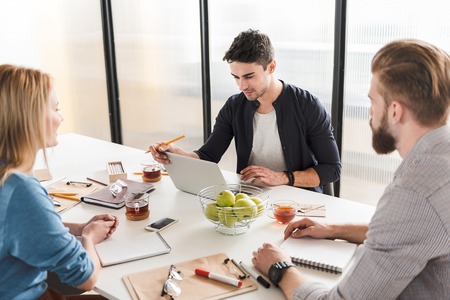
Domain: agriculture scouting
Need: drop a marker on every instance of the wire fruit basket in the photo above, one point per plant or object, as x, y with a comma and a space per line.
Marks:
236, 219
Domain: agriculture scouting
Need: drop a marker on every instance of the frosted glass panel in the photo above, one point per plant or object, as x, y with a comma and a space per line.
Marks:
371, 24
159, 71
302, 33
63, 38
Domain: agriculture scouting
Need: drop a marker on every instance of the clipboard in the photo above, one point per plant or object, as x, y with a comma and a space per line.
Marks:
192, 286
62, 187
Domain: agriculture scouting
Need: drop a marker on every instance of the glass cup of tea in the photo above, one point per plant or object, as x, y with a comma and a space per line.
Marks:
151, 173
283, 211
137, 209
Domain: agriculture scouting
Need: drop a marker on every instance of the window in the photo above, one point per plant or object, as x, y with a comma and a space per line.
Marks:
64, 39
370, 25
159, 71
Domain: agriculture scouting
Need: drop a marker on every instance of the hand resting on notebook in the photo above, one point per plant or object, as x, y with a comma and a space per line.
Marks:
306, 227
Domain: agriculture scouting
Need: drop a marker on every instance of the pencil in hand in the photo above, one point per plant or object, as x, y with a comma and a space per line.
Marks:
168, 142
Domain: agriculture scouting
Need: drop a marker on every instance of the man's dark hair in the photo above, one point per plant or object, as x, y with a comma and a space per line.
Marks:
250, 46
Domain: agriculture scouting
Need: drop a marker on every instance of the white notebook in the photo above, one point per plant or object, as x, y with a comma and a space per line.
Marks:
132, 247
321, 254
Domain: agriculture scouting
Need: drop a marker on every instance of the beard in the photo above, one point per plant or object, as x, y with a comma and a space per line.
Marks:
382, 140
258, 94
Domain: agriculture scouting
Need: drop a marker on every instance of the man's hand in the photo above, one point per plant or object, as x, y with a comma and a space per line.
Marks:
159, 152
263, 175
307, 227
267, 255
353, 233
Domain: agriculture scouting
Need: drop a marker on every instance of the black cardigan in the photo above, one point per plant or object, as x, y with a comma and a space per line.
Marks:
304, 127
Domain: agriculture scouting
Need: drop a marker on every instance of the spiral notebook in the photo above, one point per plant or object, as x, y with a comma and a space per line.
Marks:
326, 255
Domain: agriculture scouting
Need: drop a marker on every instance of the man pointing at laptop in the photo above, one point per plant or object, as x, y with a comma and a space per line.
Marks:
282, 133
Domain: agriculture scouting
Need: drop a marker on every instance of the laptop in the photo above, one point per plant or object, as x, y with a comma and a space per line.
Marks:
191, 175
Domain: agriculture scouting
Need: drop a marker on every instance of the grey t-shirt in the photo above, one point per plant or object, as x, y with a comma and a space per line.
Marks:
266, 150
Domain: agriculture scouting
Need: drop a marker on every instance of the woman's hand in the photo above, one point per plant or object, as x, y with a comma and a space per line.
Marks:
97, 231
104, 217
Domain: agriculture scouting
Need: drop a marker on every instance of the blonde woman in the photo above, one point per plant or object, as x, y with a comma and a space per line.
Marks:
33, 238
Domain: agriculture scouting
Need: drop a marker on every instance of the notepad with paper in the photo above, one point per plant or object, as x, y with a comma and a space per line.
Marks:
321, 254
104, 197
131, 247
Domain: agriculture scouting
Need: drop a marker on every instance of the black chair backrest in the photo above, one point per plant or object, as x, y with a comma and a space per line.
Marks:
328, 189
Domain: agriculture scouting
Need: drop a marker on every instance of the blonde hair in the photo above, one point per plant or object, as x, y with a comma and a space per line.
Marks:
24, 97
417, 74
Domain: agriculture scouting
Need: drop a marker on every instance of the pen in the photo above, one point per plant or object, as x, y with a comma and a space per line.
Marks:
96, 181
256, 276
218, 277
168, 142
86, 184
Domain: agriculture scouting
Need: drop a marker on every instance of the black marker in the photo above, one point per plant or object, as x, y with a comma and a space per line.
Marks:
256, 276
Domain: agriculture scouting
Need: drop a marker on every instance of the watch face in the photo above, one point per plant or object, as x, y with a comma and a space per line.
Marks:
275, 273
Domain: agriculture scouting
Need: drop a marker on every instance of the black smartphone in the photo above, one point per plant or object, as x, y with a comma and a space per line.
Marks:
160, 224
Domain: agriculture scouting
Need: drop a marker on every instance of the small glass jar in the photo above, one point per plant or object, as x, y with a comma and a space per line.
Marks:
151, 173
137, 209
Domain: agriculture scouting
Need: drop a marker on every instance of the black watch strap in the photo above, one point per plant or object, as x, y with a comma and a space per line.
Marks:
291, 177
277, 270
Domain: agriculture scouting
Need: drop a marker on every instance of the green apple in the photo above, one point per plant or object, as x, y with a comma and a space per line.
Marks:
212, 211
247, 208
227, 217
259, 205
225, 198
241, 196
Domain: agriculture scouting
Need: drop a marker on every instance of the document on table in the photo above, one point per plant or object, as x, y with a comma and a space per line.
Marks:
131, 247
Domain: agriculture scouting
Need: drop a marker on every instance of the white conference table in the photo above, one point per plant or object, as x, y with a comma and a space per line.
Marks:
77, 157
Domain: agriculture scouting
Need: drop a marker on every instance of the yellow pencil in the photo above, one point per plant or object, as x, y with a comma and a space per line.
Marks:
63, 193
66, 197
140, 173
168, 142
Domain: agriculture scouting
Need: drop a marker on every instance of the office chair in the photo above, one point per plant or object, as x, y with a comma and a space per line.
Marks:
328, 189
65, 289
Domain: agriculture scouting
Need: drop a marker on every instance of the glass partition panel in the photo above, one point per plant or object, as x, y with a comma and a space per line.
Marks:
63, 38
372, 24
159, 71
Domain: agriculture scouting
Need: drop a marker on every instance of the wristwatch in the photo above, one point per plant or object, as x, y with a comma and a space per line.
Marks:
276, 271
